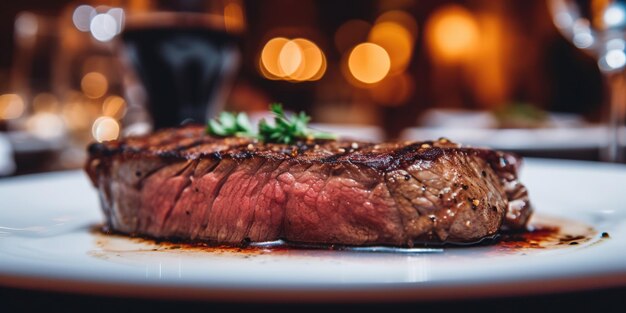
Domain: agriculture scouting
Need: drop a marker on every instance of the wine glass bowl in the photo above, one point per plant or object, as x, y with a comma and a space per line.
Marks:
599, 28
185, 55
600, 31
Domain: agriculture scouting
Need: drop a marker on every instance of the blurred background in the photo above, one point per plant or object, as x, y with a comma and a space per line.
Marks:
481, 72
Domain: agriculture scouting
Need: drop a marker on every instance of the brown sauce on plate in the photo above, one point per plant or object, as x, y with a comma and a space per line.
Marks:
543, 233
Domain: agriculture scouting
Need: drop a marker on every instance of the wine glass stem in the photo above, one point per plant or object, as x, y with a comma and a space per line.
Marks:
615, 151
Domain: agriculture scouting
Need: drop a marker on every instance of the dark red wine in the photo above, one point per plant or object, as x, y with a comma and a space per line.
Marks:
186, 70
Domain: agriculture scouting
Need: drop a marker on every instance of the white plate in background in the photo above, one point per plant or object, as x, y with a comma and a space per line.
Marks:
589, 137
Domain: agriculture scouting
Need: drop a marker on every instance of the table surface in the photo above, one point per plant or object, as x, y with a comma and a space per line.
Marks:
601, 300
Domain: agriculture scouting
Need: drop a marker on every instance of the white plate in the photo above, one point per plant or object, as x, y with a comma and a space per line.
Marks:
46, 242
558, 138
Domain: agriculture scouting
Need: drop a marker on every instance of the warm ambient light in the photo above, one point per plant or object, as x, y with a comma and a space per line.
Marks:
396, 40
269, 57
351, 33
105, 129
11, 106
313, 64
394, 90
76, 115
452, 33
26, 25
401, 18
114, 106
45, 125
45, 102
294, 60
233, 17
369, 63
290, 58
94, 85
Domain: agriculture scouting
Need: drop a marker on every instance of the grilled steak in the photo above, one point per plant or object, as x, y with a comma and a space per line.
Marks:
181, 183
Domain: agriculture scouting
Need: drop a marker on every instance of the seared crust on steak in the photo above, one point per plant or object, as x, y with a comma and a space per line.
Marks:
181, 183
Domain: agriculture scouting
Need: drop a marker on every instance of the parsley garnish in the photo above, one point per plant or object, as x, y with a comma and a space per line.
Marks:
230, 124
285, 130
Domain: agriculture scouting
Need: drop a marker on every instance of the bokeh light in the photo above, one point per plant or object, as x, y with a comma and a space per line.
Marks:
369, 63
26, 24
396, 40
103, 27
94, 85
452, 33
118, 15
105, 128
11, 106
269, 57
614, 15
46, 125
82, 17
114, 106
294, 60
233, 17
313, 62
322, 70
290, 58
402, 18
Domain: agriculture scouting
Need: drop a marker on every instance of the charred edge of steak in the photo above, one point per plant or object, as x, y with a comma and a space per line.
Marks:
190, 142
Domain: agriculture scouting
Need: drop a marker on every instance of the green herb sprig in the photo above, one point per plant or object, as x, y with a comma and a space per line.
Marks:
285, 129
230, 124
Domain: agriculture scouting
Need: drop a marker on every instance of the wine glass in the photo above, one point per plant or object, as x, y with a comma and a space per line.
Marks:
599, 28
184, 54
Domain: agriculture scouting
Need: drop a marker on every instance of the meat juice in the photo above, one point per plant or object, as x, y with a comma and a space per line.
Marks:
545, 232
185, 69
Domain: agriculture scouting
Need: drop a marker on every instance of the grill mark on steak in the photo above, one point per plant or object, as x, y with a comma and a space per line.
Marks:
254, 194
222, 181
245, 205
185, 172
274, 176
140, 182
155, 143
207, 223
191, 145
208, 169
165, 151
346, 150
291, 188
205, 208
162, 179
